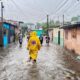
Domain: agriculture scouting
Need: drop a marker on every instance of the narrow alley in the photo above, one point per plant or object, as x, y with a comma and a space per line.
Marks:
54, 63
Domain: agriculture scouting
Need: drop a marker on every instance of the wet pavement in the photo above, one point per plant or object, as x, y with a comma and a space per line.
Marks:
53, 63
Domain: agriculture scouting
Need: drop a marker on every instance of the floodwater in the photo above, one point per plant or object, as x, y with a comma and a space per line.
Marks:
53, 63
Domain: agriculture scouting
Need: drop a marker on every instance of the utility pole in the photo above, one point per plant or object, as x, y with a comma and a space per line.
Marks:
47, 24
63, 20
63, 31
2, 11
1, 23
58, 18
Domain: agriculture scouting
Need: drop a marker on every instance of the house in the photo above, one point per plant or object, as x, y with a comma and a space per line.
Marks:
72, 37
1, 40
39, 32
8, 34
50, 30
58, 37
31, 26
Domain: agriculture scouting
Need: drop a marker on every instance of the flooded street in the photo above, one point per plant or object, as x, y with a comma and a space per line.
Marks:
53, 63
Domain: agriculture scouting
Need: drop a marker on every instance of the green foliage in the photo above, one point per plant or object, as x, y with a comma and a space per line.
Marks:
38, 24
57, 23
52, 24
74, 19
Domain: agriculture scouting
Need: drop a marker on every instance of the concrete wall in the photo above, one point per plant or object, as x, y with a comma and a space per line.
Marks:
72, 43
55, 36
51, 35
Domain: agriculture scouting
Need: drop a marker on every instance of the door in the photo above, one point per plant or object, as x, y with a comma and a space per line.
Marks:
5, 39
59, 37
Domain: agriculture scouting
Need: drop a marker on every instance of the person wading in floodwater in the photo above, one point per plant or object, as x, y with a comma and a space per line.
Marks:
28, 37
33, 46
20, 39
41, 39
47, 40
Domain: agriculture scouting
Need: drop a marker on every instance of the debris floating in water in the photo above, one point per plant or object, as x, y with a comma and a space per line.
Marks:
78, 58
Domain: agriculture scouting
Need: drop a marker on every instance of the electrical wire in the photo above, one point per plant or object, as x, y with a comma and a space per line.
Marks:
66, 8
18, 8
69, 9
59, 8
73, 9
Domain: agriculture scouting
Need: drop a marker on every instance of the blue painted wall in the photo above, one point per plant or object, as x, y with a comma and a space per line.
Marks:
6, 26
6, 36
5, 41
39, 32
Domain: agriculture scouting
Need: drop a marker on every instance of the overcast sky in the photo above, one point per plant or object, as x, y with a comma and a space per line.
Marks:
36, 10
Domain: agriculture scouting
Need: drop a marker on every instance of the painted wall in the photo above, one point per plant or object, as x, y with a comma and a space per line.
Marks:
6, 26
5, 40
72, 43
39, 32
8, 34
51, 35
5, 36
55, 36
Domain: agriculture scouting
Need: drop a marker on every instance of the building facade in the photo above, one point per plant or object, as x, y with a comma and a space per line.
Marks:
72, 37
8, 34
58, 36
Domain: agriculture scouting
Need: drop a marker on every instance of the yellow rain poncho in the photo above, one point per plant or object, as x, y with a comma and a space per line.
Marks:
33, 45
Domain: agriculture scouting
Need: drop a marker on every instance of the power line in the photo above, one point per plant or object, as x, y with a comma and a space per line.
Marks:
18, 8
69, 6
8, 7
46, 14
11, 6
64, 2
72, 2
59, 8
71, 9
62, 6
33, 8
72, 6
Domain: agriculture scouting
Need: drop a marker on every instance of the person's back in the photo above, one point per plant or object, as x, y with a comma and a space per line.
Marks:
33, 46
34, 43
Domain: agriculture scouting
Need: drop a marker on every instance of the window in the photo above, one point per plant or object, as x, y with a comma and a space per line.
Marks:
74, 33
66, 34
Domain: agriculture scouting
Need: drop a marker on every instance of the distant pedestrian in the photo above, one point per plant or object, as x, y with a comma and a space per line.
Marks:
28, 37
33, 46
20, 39
47, 40
41, 39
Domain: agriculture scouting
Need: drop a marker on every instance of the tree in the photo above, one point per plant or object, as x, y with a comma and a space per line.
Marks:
57, 23
51, 23
38, 24
74, 19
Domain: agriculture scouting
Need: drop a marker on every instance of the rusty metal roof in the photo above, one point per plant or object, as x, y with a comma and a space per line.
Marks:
71, 25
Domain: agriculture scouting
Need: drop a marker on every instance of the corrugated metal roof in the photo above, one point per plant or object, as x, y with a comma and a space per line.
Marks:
71, 25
